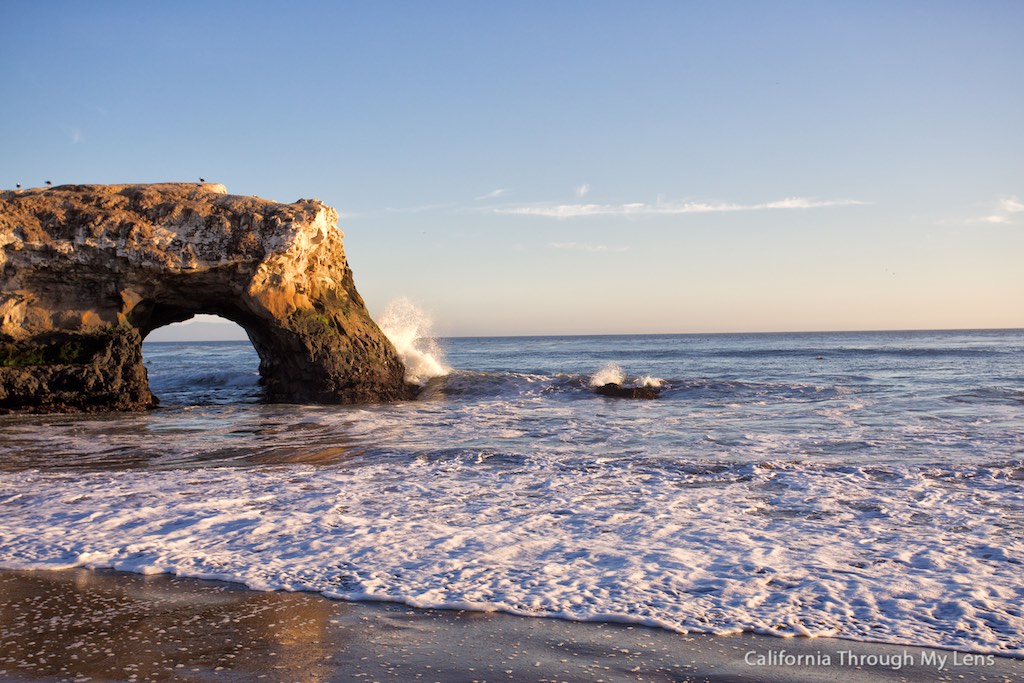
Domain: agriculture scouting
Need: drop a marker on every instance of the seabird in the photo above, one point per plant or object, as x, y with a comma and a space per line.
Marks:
18, 186
202, 180
49, 184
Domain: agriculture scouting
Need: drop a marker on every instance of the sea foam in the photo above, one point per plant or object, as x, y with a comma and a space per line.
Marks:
868, 553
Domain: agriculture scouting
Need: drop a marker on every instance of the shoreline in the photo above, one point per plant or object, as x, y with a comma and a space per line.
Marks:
80, 624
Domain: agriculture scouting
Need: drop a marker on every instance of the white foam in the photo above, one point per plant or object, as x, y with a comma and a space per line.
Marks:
408, 328
611, 373
919, 555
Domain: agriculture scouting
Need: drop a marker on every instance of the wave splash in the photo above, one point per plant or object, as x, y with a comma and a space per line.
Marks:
408, 328
612, 373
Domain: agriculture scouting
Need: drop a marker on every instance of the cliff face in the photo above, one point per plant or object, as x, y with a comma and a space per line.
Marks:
87, 271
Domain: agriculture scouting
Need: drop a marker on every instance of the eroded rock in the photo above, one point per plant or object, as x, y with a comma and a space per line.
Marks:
88, 271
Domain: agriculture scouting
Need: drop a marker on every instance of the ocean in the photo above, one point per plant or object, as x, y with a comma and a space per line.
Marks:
866, 486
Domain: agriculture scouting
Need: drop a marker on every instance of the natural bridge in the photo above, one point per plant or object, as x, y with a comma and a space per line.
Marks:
87, 271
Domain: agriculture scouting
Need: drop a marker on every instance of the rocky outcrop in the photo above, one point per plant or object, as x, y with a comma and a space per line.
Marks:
87, 271
618, 391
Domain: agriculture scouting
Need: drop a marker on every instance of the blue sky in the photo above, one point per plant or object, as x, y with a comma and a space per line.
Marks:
572, 167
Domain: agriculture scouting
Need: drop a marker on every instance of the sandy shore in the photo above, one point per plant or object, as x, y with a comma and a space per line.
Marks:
83, 625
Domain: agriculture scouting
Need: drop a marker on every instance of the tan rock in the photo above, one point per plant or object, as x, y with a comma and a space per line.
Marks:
87, 271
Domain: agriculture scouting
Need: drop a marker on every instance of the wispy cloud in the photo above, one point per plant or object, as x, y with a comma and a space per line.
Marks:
577, 246
449, 205
494, 194
662, 208
1006, 212
1013, 205
659, 207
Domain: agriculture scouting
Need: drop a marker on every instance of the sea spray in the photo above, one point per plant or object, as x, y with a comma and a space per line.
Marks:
611, 373
408, 328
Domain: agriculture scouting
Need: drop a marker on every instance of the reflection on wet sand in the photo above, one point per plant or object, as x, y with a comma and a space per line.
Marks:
79, 625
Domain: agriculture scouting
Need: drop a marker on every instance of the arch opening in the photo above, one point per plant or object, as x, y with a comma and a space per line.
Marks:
203, 360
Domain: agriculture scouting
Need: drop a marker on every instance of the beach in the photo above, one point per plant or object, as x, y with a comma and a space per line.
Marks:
81, 625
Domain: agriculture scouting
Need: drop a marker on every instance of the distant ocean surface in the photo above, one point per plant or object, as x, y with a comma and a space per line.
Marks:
868, 486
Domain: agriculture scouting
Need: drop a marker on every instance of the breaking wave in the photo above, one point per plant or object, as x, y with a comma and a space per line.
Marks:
612, 373
408, 328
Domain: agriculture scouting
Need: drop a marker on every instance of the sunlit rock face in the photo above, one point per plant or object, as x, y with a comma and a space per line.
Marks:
87, 271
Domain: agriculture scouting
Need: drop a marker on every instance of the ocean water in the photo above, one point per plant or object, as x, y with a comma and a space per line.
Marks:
861, 485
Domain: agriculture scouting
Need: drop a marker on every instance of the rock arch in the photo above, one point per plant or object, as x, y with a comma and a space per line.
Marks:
88, 271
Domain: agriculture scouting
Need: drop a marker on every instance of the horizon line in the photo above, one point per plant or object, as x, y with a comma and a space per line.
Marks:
654, 334
684, 334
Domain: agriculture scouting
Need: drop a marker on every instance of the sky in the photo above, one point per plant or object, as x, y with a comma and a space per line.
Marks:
572, 167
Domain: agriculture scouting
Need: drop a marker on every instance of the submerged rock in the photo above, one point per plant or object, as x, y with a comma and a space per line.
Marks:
619, 391
87, 271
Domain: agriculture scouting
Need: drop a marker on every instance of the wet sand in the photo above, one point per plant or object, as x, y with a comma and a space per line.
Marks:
80, 625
